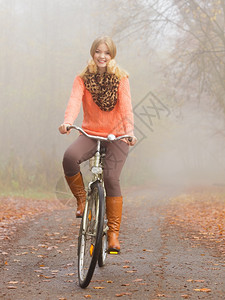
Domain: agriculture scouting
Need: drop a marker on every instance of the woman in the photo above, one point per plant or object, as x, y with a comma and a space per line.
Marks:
103, 89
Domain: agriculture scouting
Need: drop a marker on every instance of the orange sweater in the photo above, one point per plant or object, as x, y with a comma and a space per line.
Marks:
119, 121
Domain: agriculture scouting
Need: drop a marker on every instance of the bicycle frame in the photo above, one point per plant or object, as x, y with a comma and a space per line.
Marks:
97, 167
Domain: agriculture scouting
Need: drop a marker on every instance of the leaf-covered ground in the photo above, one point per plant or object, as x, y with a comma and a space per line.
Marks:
202, 213
14, 211
158, 258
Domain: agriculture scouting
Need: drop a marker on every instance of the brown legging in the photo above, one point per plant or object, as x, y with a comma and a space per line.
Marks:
84, 148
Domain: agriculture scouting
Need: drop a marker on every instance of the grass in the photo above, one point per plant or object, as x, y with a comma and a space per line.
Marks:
36, 194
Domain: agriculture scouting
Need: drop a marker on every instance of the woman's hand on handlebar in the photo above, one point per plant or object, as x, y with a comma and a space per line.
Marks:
132, 140
63, 128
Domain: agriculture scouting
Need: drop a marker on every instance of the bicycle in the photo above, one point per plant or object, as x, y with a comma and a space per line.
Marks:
92, 240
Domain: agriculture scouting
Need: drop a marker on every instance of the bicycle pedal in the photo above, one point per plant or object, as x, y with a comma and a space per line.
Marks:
113, 252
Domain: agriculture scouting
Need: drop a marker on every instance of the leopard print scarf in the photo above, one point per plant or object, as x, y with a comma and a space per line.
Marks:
103, 88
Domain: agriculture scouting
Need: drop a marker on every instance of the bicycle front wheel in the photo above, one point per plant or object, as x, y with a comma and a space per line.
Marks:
90, 237
104, 243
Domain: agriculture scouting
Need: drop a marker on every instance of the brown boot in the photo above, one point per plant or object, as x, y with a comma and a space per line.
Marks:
76, 185
114, 214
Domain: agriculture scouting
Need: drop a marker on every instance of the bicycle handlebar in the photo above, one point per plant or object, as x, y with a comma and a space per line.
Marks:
110, 138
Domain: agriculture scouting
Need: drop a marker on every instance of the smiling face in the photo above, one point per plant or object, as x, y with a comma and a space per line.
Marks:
102, 57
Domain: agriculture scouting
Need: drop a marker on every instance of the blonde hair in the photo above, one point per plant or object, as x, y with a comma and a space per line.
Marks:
112, 67
104, 40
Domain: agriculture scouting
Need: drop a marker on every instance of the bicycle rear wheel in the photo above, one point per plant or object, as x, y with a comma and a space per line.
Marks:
90, 237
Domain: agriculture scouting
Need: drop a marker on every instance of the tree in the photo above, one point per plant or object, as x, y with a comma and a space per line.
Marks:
194, 32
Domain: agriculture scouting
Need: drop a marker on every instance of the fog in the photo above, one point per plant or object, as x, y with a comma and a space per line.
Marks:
45, 44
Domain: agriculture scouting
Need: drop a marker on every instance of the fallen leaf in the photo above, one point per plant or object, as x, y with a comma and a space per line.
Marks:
98, 287
13, 282
11, 287
49, 277
131, 271
109, 281
199, 280
51, 247
87, 296
123, 294
203, 290
98, 280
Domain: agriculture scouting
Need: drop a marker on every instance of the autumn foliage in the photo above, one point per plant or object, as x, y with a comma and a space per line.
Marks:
13, 211
201, 212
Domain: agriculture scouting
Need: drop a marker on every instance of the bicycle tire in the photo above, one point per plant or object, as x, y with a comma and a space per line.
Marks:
104, 243
90, 236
